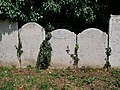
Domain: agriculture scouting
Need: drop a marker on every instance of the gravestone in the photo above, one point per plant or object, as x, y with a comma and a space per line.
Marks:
32, 35
92, 43
8, 40
114, 40
61, 41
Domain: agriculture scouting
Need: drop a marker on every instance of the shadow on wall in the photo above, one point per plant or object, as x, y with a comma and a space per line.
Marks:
7, 26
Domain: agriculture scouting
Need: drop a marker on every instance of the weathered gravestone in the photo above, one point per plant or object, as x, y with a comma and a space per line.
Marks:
92, 44
8, 40
114, 40
61, 41
32, 35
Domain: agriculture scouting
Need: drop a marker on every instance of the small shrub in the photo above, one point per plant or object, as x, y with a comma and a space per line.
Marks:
44, 55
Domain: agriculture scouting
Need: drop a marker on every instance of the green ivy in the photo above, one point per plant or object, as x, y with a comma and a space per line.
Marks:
75, 55
44, 55
108, 53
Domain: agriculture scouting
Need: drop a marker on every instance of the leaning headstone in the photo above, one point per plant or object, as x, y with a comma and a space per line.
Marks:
62, 41
32, 35
8, 40
92, 44
114, 40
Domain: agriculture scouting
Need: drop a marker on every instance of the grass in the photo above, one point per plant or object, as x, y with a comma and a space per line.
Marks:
84, 78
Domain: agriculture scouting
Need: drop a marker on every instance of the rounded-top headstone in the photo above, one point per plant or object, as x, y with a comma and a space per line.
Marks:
61, 41
32, 35
92, 44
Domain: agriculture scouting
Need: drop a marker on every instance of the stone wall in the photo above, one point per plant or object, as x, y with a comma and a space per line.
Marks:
8, 40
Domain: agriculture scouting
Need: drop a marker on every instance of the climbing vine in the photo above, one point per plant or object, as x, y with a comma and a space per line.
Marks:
75, 55
108, 53
44, 55
19, 48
